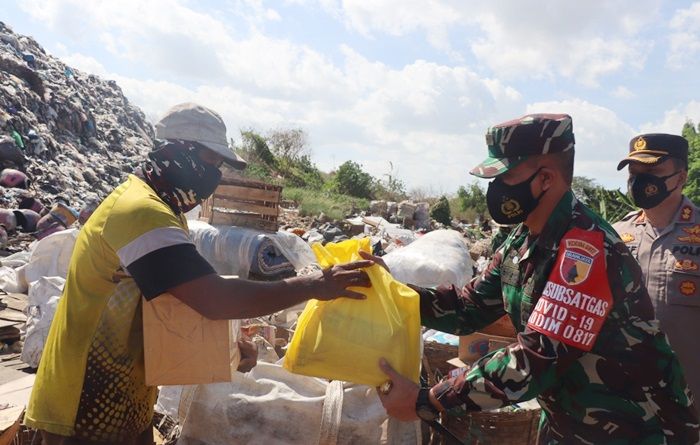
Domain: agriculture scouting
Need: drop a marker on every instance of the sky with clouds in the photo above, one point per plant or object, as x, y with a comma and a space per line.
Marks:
405, 84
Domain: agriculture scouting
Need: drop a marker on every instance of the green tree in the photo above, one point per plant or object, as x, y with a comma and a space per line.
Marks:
440, 211
255, 149
692, 186
472, 197
583, 187
611, 204
351, 180
390, 188
288, 143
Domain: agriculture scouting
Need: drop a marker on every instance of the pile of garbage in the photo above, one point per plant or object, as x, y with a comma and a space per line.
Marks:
67, 138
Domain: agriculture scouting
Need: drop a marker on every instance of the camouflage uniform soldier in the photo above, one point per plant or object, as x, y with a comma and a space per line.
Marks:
589, 348
664, 236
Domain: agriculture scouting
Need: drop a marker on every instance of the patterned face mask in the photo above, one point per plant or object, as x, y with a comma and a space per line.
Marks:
647, 190
178, 175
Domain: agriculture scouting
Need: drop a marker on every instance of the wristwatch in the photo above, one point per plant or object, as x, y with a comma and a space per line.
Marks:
424, 409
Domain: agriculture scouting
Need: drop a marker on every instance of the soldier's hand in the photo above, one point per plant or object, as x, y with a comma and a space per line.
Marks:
375, 259
333, 282
399, 398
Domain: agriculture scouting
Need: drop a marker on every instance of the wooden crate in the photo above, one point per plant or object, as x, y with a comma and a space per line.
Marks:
243, 202
495, 428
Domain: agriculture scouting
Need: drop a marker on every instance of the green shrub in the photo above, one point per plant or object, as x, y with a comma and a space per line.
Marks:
440, 211
314, 202
351, 180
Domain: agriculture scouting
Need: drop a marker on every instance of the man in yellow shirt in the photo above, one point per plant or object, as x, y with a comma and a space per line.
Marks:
90, 386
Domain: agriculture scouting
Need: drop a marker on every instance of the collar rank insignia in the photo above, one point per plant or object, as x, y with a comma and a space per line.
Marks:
686, 213
627, 238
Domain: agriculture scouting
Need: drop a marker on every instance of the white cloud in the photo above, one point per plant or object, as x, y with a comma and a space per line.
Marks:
601, 138
674, 119
583, 41
158, 33
428, 119
622, 92
684, 39
84, 63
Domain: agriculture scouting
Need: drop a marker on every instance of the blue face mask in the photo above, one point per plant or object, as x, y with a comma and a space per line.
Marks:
511, 204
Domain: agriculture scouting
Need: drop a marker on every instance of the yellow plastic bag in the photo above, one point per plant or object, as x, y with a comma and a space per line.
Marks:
344, 339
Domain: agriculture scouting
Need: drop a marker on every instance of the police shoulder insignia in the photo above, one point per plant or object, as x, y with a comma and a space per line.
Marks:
627, 238
686, 213
693, 235
685, 265
687, 288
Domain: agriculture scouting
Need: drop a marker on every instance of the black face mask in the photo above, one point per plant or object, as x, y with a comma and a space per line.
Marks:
647, 190
510, 204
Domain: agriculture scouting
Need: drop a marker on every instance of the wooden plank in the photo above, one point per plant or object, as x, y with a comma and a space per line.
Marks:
13, 315
9, 332
205, 213
244, 207
10, 420
251, 183
17, 302
234, 219
247, 193
8, 323
17, 392
9, 374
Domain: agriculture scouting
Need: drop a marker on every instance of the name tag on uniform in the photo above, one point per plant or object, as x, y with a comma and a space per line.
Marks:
576, 299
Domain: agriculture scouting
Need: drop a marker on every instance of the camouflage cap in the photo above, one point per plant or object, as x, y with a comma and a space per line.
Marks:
510, 143
654, 148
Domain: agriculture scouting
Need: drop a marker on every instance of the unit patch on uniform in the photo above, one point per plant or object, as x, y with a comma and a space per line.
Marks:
627, 238
687, 288
693, 235
577, 261
576, 299
686, 213
685, 265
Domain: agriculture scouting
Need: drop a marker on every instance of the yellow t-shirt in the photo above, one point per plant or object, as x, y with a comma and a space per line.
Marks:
90, 383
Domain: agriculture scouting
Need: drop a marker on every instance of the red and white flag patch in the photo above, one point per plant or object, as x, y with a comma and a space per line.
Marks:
576, 299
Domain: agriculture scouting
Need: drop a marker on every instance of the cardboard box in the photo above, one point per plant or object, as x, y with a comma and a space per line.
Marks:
182, 347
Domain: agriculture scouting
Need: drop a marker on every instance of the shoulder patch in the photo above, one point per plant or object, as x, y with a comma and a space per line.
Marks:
693, 235
627, 237
687, 288
685, 265
576, 299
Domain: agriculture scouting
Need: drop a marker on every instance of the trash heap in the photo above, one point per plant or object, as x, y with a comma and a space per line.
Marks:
67, 138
